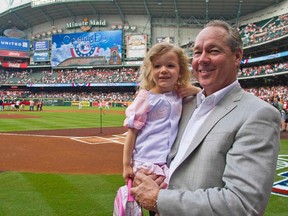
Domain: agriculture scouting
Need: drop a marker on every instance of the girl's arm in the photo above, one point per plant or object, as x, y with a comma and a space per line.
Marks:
188, 90
127, 153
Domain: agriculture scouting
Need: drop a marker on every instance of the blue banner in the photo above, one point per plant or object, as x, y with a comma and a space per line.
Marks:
14, 44
41, 57
265, 58
41, 45
87, 48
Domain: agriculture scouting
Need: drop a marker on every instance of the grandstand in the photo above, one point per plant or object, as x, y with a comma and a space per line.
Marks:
96, 47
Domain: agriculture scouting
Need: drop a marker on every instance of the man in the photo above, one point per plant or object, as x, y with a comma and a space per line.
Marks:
1, 104
31, 105
224, 158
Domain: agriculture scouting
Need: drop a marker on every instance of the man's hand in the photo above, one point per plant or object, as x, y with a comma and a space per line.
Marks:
147, 186
146, 192
157, 178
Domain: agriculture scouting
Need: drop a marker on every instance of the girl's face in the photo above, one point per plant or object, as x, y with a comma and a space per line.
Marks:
165, 72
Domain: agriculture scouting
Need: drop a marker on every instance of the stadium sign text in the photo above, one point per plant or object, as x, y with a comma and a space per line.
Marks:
91, 23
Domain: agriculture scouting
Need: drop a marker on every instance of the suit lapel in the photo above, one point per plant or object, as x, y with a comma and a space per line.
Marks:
220, 110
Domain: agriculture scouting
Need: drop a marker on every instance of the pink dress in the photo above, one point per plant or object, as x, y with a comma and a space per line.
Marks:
156, 116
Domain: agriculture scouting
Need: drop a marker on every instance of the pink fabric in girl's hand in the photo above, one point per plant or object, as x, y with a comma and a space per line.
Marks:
124, 203
130, 197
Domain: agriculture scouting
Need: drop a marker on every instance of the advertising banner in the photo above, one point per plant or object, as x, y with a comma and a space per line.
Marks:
53, 101
14, 44
165, 39
14, 65
41, 57
265, 58
87, 48
16, 54
130, 84
136, 46
41, 45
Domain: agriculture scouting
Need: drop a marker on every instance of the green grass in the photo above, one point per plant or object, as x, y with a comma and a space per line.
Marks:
29, 194
62, 118
277, 205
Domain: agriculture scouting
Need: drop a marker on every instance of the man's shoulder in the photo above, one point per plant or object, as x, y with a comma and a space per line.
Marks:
189, 99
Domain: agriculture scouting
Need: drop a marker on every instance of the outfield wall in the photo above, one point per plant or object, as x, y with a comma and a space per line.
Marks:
62, 102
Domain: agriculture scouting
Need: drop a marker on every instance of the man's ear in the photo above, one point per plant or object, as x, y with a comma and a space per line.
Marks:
239, 56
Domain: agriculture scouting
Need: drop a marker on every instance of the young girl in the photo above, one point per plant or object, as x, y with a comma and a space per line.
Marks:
152, 119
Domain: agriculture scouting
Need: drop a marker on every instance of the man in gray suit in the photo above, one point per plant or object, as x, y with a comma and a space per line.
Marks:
224, 158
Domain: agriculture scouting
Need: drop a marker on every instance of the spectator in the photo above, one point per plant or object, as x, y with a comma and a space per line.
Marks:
1, 104
31, 105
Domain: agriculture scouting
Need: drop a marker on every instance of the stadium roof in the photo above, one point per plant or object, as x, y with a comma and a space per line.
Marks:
175, 12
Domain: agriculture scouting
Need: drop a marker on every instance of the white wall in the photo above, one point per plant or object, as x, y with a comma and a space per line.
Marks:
9, 4
139, 21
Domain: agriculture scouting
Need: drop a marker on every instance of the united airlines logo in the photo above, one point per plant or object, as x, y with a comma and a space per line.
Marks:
281, 187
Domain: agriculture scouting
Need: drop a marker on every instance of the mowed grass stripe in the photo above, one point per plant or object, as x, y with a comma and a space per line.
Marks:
67, 194
19, 197
61, 120
52, 194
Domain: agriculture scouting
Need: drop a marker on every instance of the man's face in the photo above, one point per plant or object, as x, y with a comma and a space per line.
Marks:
214, 64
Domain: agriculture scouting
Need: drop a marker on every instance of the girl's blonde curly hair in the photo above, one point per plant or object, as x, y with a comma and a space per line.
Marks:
146, 79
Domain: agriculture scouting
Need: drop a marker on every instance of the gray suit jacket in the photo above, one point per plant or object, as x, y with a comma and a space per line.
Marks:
229, 167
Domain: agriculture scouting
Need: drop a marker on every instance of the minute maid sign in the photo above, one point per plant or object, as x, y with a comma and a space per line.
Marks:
85, 23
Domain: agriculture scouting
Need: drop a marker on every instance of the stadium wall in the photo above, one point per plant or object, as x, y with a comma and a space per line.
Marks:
180, 35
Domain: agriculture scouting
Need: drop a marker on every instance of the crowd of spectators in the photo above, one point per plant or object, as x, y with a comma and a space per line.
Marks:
264, 69
92, 96
118, 75
110, 75
12, 77
265, 93
92, 76
266, 30
277, 96
86, 96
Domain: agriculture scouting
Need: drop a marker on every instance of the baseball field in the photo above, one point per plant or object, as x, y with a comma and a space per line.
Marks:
63, 161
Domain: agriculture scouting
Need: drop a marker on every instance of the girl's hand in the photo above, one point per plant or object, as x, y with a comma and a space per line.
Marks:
128, 173
189, 90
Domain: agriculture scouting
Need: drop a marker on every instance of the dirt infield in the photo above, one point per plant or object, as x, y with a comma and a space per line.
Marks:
72, 151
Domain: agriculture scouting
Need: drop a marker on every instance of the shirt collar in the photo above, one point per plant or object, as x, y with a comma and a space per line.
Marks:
216, 96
